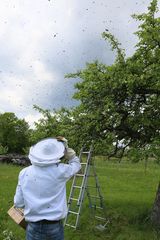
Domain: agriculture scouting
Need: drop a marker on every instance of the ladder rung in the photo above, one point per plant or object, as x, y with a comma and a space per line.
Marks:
100, 218
70, 225
75, 186
74, 199
99, 207
80, 175
96, 207
73, 212
85, 152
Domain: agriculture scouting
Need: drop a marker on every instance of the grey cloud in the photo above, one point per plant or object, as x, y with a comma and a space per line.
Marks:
56, 39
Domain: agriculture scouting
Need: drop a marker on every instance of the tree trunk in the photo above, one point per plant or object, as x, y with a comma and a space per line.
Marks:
155, 214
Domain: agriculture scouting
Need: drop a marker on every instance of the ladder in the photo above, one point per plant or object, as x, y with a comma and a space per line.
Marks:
80, 186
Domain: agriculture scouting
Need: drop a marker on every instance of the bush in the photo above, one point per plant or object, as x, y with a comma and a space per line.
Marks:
3, 150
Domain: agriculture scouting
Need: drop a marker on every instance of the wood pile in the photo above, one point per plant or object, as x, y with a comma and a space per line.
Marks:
17, 159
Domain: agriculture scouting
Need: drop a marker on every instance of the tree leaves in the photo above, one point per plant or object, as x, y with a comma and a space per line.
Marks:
14, 133
122, 98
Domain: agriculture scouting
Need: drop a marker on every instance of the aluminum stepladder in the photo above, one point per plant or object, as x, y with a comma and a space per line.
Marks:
80, 186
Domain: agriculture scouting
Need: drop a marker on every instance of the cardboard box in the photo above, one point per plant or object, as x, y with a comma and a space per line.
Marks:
17, 215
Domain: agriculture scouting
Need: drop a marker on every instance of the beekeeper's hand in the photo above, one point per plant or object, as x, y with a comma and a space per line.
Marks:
69, 154
63, 140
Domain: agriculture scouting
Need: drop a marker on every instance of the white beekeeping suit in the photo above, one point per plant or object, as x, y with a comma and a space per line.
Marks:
41, 188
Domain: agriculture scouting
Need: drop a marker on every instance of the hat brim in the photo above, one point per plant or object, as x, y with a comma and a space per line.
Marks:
38, 154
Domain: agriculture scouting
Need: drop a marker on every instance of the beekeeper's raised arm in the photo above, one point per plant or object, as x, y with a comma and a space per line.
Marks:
73, 166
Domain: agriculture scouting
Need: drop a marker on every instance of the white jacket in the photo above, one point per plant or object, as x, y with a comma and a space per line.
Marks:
41, 190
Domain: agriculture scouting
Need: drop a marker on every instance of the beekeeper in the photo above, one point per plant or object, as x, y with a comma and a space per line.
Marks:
41, 188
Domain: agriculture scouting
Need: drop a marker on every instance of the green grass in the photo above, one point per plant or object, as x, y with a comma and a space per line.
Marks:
129, 193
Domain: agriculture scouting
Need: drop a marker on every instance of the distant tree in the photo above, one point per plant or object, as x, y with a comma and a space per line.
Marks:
13, 133
55, 123
45, 127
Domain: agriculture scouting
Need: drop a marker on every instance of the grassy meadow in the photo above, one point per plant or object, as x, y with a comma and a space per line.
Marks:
128, 190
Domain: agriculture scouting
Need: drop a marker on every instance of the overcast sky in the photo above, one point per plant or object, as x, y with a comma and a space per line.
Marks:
41, 41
